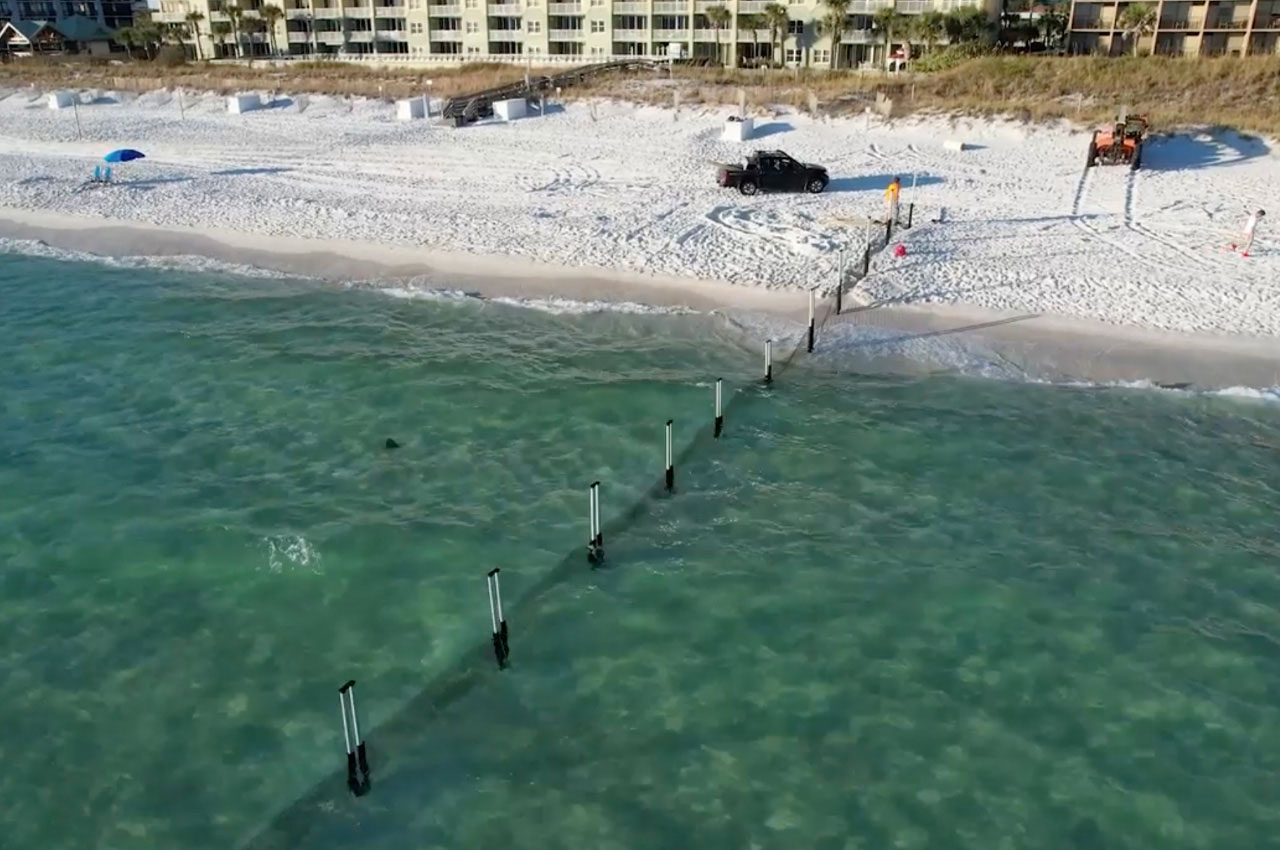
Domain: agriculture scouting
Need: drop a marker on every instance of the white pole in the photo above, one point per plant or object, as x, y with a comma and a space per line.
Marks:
669, 443
719, 381
355, 724
591, 514
181, 109
497, 589
75, 108
811, 307
596, 514
342, 703
768, 360
492, 616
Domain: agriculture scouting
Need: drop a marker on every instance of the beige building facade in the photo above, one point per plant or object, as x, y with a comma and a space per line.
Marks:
547, 30
1195, 28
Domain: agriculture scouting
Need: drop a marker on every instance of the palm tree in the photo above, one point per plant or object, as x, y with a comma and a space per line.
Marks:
887, 21
271, 15
833, 24
193, 20
128, 37
253, 26
234, 16
932, 27
777, 20
218, 31
1053, 27
1138, 20
149, 37
753, 24
718, 17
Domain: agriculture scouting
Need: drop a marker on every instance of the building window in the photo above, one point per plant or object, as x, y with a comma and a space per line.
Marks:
415, 28
535, 26
415, 4
794, 56
473, 27
793, 28
470, 4
533, 51
821, 57
629, 22
597, 26
472, 51
597, 51
597, 2
533, 4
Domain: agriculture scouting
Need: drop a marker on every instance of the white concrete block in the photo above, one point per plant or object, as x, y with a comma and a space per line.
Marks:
738, 129
61, 99
238, 104
510, 110
953, 145
411, 110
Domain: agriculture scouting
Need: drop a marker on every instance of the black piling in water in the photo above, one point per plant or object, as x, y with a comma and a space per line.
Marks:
866, 260
888, 231
595, 537
911, 214
357, 757
719, 408
501, 647
671, 469
392, 444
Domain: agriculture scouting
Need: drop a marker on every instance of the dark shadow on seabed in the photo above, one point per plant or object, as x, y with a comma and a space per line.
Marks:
315, 810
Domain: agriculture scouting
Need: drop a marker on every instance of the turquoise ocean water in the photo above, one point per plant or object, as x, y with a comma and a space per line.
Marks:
881, 612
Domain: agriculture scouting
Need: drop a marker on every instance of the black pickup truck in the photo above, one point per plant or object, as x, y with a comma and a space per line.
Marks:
773, 171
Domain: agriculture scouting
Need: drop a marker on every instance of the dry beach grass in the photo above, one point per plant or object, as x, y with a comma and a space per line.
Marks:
1236, 92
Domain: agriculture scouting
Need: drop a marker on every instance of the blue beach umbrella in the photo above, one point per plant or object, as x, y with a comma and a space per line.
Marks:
123, 155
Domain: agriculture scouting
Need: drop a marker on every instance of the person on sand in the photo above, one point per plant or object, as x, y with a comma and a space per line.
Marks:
1250, 228
891, 198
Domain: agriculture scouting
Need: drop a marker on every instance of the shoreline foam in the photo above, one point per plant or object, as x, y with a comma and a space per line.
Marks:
887, 337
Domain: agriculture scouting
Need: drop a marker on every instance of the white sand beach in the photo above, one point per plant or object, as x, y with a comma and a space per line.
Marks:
616, 202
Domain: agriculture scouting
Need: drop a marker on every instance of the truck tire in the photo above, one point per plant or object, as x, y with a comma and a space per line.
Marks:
748, 186
815, 185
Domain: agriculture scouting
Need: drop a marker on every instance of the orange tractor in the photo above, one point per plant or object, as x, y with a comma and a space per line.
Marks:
1120, 143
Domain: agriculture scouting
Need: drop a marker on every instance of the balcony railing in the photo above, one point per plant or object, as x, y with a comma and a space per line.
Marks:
631, 7
670, 35
299, 38
504, 10
1179, 24
1267, 22
670, 7
1090, 23
564, 8
446, 35
752, 7
869, 7
711, 35
1227, 24
328, 13
913, 7
565, 35
630, 35
445, 11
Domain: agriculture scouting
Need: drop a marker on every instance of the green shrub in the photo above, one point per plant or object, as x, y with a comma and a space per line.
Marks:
949, 57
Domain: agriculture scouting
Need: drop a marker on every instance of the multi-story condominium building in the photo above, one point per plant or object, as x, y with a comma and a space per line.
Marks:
111, 14
1183, 28
440, 30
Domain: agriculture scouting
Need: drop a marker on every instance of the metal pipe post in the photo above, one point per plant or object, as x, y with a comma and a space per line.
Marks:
671, 469
719, 407
811, 299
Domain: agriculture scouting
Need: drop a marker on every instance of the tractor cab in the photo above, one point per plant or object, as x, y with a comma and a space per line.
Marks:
1119, 143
